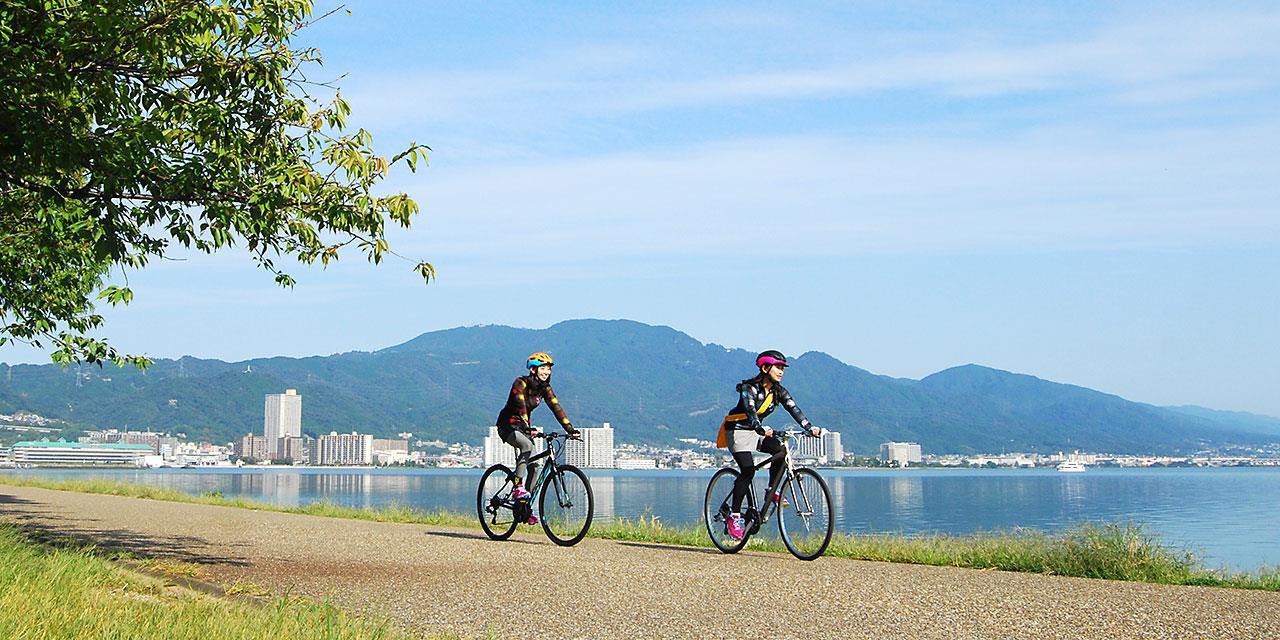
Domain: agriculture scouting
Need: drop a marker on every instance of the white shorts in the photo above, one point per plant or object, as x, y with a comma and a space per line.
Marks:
743, 440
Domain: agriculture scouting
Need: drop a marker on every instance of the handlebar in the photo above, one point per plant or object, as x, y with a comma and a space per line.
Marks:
796, 433
553, 436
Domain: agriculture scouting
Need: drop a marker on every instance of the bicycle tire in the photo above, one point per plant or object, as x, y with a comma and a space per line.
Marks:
806, 536
567, 522
715, 509
493, 502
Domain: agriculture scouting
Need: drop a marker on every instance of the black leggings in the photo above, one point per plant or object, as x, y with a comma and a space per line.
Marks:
747, 468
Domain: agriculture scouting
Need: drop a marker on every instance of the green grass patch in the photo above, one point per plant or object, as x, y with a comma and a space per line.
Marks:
1120, 551
51, 592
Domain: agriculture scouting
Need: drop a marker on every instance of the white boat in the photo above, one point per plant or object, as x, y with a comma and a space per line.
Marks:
1071, 466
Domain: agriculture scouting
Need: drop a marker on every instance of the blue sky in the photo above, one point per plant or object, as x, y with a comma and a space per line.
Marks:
1089, 193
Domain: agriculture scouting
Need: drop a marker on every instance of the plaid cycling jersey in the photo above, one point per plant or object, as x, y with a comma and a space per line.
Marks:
755, 402
527, 392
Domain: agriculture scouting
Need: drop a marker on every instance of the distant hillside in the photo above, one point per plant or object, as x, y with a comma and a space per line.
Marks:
654, 384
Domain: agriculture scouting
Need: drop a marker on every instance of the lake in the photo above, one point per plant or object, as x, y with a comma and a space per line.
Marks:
1227, 516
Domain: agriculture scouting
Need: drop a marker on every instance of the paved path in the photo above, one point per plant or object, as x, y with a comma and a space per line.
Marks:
434, 578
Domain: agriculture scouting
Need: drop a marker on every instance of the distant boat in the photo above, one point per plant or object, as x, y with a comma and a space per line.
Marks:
1072, 466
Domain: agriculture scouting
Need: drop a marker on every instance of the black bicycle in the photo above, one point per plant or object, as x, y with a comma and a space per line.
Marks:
562, 492
804, 507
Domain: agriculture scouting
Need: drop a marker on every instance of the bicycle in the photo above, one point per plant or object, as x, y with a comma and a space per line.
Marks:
565, 518
804, 516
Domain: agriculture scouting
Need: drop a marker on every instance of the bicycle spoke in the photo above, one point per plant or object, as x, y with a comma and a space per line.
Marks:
566, 506
716, 509
807, 523
494, 504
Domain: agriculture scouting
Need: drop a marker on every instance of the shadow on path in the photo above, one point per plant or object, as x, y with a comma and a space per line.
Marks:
669, 547
476, 536
60, 531
6, 498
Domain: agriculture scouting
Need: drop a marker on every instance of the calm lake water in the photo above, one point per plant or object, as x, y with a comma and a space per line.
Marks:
1228, 517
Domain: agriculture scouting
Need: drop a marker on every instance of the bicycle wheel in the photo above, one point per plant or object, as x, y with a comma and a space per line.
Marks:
494, 504
715, 511
566, 506
806, 523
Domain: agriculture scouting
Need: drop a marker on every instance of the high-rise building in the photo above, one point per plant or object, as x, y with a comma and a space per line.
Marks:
282, 418
834, 448
344, 448
900, 453
594, 450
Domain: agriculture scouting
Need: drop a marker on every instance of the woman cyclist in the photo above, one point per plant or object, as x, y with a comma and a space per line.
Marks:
513, 421
743, 433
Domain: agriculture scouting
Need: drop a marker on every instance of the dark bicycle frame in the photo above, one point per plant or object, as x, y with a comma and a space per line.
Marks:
552, 450
760, 517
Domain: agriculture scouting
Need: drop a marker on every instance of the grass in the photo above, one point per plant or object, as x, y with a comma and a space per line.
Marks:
49, 592
1118, 551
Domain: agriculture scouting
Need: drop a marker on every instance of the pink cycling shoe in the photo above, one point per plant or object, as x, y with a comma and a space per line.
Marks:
736, 526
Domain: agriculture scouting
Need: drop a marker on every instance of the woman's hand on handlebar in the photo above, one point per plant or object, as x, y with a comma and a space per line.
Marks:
533, 432
815, 431
768, 432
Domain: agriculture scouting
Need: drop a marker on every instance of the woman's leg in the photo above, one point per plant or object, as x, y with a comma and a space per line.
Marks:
524, 449
772, 445
746, 470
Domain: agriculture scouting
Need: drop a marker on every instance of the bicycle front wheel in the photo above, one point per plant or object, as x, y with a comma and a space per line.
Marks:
494, 504
716, 508
566, 506
806, 523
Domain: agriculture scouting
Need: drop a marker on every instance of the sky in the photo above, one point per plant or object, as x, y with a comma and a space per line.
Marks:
1084, 192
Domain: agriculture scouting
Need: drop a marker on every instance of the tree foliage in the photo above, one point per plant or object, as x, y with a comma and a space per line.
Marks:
133, 129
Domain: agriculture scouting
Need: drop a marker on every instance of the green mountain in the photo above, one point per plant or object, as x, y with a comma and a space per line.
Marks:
654, 384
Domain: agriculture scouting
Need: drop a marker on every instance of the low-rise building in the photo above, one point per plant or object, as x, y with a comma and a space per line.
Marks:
252, 447
900, 454
61, 452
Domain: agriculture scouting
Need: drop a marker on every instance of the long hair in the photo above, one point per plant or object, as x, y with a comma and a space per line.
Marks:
761, 379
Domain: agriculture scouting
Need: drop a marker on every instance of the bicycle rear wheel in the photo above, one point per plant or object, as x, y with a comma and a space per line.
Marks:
716, 508
806, 523
566, 506
494, 504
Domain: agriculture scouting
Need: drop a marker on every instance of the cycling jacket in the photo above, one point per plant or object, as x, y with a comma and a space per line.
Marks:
755, 403
527, 392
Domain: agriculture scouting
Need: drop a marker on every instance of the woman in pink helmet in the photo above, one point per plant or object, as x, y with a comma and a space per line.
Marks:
742, 432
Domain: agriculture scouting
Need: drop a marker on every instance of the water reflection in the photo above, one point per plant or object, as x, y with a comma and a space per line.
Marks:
906, 496
602, 491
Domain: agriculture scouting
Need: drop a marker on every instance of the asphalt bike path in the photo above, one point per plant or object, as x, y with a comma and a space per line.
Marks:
431, 579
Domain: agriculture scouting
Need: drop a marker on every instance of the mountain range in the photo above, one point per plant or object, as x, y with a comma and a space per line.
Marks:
654, 384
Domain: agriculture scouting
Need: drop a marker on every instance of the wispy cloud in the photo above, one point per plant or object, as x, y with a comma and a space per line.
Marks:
1182, 57
1067, 189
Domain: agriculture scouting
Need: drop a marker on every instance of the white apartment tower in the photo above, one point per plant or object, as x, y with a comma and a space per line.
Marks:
825, 449
344, 448
282, 418
835, 448
595, 450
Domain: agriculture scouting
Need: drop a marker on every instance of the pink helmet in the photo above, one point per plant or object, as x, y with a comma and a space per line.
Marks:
771, 357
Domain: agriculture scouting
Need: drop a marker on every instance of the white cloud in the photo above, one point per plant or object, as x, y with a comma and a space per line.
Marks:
1176, 58
1067, 189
